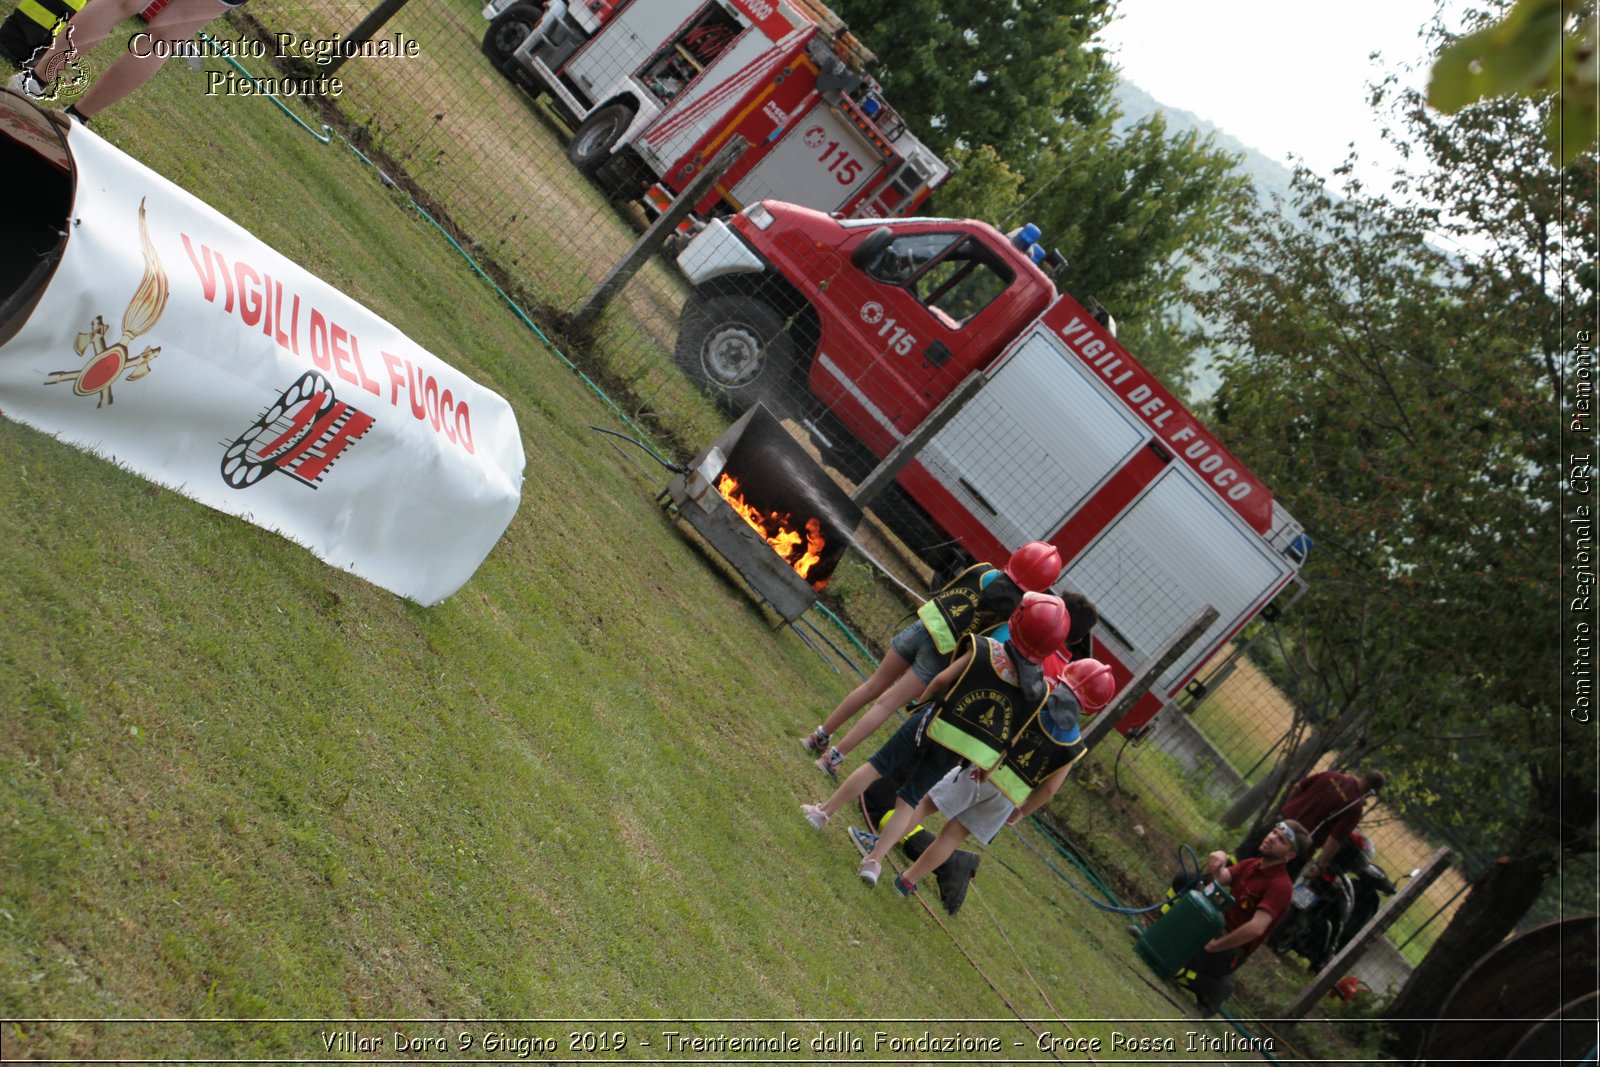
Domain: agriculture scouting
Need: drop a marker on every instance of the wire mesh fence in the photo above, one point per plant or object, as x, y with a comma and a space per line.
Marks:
1234, 735
547, 180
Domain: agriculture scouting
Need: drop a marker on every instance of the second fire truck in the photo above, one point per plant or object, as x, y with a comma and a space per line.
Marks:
656, 87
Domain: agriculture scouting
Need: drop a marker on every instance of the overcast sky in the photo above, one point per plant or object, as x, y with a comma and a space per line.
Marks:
1281, 77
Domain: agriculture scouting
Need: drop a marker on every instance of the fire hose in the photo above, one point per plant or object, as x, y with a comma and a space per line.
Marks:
675, 468
1188, 863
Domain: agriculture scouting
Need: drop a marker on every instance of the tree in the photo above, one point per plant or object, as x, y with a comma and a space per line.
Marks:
1018, 98
1406, 401
1538, 48
980, 72
1131, 214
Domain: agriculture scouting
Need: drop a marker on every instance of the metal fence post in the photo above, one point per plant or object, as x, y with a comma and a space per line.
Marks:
588, 311
364, 30
1369, 933
904, 452
1146, 675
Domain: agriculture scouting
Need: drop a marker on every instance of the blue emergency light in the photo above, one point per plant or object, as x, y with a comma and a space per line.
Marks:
1025, 237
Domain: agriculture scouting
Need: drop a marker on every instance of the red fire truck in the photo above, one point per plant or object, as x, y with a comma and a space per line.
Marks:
860, 328
656, 87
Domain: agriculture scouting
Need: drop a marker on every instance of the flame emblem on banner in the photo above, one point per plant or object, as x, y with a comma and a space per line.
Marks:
108, 362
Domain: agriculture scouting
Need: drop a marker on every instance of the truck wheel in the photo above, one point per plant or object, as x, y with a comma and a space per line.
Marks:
591, 144
509, 29
619, 177
738, 346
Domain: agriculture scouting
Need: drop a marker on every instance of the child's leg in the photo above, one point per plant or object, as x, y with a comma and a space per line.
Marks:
851, 788
902, 691
891, 668
950, 837
178, 21
898, 749
904, 818
84, 30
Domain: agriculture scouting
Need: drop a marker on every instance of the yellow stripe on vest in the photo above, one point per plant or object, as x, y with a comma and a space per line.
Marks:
43, 15
1011, 784
962, 743
39, 14
943, 639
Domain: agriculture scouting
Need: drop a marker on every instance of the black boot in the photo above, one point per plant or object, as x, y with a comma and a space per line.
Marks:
955, 875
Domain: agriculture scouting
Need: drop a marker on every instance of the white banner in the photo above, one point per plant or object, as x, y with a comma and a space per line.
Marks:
175, 343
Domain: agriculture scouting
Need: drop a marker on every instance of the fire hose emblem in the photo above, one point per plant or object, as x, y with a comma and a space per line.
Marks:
872, 312
815, 136
300, 434
108, 362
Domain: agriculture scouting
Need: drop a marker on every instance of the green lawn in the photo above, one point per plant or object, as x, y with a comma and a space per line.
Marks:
241, 785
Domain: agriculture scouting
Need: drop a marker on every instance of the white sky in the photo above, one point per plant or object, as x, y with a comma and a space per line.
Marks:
1283, 77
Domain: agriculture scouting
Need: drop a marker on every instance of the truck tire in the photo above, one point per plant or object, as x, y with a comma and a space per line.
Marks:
620, 177
739, 347
596, 135
509, 29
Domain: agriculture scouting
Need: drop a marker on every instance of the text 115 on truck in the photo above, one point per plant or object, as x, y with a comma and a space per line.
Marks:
860, 328
656, 87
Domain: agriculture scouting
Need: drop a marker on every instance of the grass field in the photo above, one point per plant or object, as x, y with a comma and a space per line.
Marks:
242, 786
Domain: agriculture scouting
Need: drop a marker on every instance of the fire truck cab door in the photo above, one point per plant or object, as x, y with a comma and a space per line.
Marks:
928, 294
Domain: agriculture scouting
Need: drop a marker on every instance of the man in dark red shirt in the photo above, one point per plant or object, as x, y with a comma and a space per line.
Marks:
1330, 803
1262, 890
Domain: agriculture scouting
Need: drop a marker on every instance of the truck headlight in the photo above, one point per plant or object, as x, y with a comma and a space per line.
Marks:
758, 215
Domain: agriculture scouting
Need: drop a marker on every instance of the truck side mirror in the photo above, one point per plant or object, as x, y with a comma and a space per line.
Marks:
872, 247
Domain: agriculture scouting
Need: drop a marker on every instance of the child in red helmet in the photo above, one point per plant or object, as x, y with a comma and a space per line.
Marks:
990, 681
979, 802
976, 599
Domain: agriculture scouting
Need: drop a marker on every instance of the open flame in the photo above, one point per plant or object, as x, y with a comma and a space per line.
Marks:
776, 531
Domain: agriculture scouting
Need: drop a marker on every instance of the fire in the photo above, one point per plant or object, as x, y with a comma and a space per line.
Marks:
776, 531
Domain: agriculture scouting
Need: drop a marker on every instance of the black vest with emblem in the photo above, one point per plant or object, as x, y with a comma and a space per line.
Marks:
952, 613
979, 714
1034, 754
32, 26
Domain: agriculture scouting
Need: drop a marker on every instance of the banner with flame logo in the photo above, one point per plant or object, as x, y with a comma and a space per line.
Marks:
239, 379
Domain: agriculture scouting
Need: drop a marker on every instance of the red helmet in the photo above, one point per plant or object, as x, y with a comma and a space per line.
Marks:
1091, 682
1039, 625
1034, 566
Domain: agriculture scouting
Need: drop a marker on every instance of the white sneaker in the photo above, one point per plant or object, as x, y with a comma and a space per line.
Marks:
814, 815
868, 872
26, 84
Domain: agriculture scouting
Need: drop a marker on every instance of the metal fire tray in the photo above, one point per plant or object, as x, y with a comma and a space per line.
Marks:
759, 451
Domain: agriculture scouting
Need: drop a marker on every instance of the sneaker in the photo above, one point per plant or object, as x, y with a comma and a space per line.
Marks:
830, 762
903, 887
865, 840
815, 742
814, 815
868, 872
26, 84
